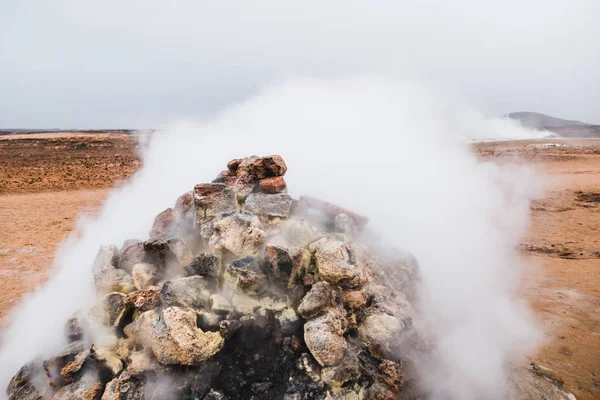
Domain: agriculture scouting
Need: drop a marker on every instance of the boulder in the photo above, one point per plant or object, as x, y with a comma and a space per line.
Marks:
283, 266
324, 338
88, 387
107, 278
21, 386
186, 292
383, 330
111, 308
131, 255
178, 341
212, 199
237, 235
183, 204
70, 357
165, 224
242, 185
205, 264
271, 205
144, 300
318, 298
142, 361
272, 185
334, 260
262, 167
244, 275
144, 275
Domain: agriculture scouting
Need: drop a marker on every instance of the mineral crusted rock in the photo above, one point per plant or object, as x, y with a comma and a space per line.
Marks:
354, 299
165, 224
244, 304
88, 387
242, 185
283, 266
333, 259
324, 338
181, 251
245, 276
144, 275
66, 360
106, 359
112, 308
262, 167
332, 210
107, 278
237, 235
212, 199
272, 185
205, 264
382, 329
347, 370
186, 292
272, 205
178, 341
142, 361
318, 298
21, 386
124, 387
144, 300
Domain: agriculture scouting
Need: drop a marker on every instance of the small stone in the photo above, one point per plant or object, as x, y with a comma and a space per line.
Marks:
164, 224
244, 275
236, 234
354, 299
270, 304
142, 361
220, 305
69, 372
383, 330
212, 199
323, 337
205, 264
144, 275
229, 327
88, 387
272, 205
318, 298
186, 292
264, 167
234, 164
74, 328
272, 185
346, 370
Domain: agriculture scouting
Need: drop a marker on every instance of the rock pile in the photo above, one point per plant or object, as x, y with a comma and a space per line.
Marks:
240, 292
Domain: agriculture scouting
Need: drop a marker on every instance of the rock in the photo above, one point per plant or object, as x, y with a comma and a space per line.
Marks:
237, 235
55, 364
271, 304
142, 328
383, 330
272, 185
124, 347
283, 266
262, 167
220, 305
178, 341
234, 164
354, 299
244, 275
323, 337
212, 199
124, 387
209, 321
144, 275
289, 321
164, 224
337, 375
183, 204
272, 205
144, 300
333, 260
245, 304
158, 253
205, 264
142, 361
345, 225
186, 292
401, 272
318, 298
107, 278
106, 360
111, 308
21, 386
132, 255
89, 387
300, 232
242, 185
181, 251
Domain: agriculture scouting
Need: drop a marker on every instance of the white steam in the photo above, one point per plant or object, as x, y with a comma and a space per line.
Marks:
392, 151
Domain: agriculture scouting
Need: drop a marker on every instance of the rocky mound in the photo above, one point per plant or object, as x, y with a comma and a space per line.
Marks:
240, 292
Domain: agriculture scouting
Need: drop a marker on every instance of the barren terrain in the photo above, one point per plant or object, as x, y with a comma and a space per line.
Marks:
47, 180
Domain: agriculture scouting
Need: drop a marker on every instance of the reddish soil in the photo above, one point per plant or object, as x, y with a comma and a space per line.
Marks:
47, 180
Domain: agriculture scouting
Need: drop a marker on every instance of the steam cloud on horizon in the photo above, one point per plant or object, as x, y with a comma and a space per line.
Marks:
390, 150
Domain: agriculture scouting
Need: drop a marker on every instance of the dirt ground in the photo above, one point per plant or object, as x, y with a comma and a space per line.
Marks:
47, 180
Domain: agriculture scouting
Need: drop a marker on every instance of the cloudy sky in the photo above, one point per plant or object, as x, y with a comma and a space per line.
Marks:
137, 63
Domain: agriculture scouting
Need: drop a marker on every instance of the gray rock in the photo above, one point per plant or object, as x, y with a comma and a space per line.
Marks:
237, 235
272, 205
334, 260
283, 266
300, 232
318, 298
384, 330
111, 308
245, 276
107, 278
89, 387
346, 370
124, 387
212, 199
205, 264
23, 386
181, 251
324, 338
209, 321
186, 292
345, 225
220, 305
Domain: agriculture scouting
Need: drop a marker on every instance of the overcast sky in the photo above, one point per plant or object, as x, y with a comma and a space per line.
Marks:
74, 64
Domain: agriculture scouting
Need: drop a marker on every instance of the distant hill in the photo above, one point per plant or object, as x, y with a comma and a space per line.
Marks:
561, 127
